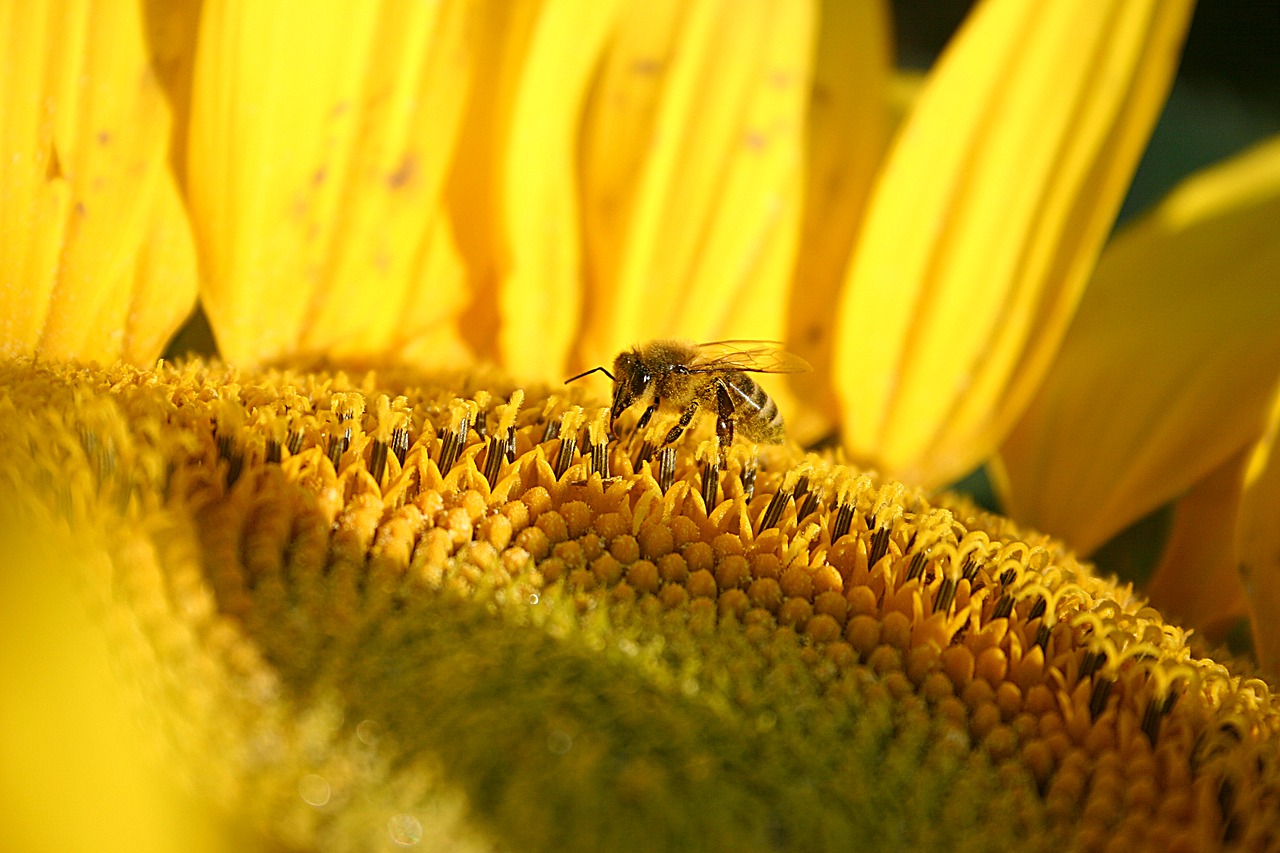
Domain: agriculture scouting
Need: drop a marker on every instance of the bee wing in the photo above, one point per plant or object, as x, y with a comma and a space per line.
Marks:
751, 356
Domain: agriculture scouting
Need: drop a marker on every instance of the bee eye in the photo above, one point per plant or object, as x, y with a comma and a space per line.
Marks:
640, 381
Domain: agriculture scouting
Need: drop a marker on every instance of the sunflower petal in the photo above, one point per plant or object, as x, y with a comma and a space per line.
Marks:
691, 164
991, 210
1198, 579
92, 228
849, 122
1168, 369
317, 153
1258, 541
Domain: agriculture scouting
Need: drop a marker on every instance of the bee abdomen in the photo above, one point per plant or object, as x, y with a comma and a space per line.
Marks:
759, 418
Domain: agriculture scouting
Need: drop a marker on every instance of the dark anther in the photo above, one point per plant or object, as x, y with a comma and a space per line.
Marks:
338, 445
294, 442
600, 459
552, 429
511, 443
273, 451
1151, 720
494, 452
400, 443
802, 487
452, 443
808, 505
481, 425
234, 467
378, 460
1038, 609
916, 567
1008, 576
1226, 804
568, 445
1098, 700
226, 444
710, 483
645, 454
1157, 710
844, 520
749, 482
1042, 637
1090, 662
666, 468
946, 595
879, 546
773, 511
969, 570
1003, 607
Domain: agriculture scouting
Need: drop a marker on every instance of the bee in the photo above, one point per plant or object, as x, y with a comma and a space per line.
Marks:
688, 377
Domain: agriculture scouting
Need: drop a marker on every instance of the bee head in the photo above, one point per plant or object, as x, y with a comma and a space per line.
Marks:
631, 382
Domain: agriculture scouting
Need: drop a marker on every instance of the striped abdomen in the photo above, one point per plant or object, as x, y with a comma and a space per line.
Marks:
756, 416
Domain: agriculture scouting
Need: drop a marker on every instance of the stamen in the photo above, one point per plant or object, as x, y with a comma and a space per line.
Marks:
378, 460
946, 595
879, 545
710, 473
645, 454
916, 567
568, 446
666, 468
1042, 636
844, 520
773, 511
1090, 662
1098, 700
807, 507
455, 439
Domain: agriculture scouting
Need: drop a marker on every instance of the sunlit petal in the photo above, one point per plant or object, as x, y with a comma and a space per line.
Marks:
318, 145
691, 170
96, 260
1169, 367
513, 190
996, 198
849, 120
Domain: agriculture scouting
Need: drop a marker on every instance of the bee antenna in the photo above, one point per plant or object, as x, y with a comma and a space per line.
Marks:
588, 373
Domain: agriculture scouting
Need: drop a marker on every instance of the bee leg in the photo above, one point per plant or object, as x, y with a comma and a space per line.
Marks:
648, 413
678, 430
724, 420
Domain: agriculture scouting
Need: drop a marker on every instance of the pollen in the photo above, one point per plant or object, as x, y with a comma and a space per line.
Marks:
529, 614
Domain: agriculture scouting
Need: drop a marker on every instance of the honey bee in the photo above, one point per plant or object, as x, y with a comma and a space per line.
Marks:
688, 377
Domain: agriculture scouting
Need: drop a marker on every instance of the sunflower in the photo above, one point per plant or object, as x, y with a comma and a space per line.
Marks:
368, 580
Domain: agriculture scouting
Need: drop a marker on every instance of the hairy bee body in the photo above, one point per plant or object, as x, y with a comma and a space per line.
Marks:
687, 378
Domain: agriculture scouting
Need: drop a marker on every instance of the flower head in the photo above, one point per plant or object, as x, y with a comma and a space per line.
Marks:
436, 603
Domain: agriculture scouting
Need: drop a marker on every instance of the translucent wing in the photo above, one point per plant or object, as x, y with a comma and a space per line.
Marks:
751, 356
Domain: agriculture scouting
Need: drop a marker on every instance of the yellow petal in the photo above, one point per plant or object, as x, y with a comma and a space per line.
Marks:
513, 192
691, 163
318, 145
96, 260
1258, 541
996, 198
1168, 369
1198, 579
849, 122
